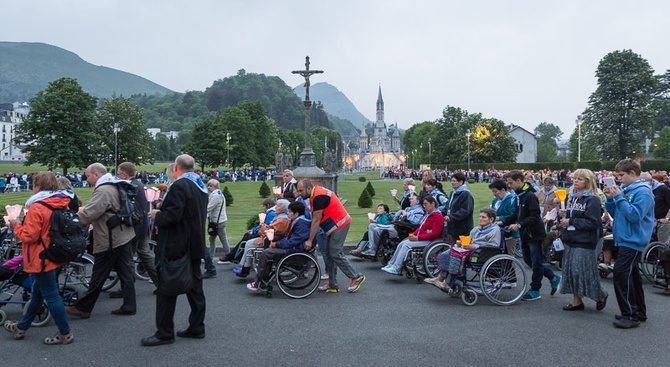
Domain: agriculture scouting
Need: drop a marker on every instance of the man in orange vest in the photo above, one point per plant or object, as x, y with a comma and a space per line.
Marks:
329, 214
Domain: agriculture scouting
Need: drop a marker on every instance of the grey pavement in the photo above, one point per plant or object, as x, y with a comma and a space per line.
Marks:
391, 321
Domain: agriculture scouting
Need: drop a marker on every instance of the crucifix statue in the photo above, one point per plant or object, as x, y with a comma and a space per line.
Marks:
307, 158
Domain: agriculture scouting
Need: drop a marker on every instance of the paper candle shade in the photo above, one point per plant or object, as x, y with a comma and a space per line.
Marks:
13, 211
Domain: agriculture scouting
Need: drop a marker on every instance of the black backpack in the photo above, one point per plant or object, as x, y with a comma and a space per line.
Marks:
68, 241
131, 213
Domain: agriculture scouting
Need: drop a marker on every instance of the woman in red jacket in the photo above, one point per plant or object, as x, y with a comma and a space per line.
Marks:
34, 233
430, 229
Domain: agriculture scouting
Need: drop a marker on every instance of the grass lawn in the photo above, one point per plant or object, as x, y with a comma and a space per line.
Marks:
247, 203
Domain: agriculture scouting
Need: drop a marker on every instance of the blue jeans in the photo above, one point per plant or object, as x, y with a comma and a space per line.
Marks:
532, 256
45, 288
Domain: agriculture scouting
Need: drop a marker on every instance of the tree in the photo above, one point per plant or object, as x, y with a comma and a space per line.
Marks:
547, 134
206, 144
60, 131
229, 197
546, 153
491, 142
371, 190
416, 138
620, 113
365, 201
134, 141
264, 190
662, 144
661, 101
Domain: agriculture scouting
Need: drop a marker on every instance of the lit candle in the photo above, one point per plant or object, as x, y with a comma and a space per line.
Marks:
13, 211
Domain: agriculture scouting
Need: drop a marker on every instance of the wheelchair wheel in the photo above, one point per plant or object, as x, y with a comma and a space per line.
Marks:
649, 259
385, 249
298, 275
469, 297
503, 280
3, 316
77, 272
43, 315
69, 295
430, 257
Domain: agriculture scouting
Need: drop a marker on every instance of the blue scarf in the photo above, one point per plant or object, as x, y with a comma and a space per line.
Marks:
193, 177
482, 231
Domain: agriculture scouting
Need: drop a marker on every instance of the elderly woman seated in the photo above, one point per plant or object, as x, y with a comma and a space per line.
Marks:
430, 228
279, 226
404, 200
297, 234
237, 251
450, 262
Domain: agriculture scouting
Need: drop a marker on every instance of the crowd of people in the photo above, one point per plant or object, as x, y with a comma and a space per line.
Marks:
526, 205
304, 215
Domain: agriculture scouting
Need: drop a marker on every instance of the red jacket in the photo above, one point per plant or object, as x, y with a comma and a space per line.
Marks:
36, 225
431, 227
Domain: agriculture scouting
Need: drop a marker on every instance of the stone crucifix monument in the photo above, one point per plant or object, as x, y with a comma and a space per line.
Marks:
308, 168
307, 156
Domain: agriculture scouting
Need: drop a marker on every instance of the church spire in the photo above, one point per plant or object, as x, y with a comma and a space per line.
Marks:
380, 108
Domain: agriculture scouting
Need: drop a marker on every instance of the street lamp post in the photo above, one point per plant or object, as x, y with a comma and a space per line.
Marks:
467, 134
228, 148
414, 159
116, 146
579, 138
430, 153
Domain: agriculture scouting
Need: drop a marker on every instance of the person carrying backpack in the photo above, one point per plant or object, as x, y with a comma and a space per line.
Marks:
111, 247
34, 233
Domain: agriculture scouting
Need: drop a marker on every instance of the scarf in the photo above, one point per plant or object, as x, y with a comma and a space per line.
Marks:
193, 177
482, 231
108, 178
49, 194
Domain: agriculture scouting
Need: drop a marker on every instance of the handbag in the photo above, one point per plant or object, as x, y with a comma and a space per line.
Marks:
213, 228
175, 276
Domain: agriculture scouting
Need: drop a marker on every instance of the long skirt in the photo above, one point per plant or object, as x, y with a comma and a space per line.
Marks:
580, 273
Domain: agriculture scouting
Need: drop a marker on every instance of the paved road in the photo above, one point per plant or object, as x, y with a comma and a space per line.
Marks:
391, 321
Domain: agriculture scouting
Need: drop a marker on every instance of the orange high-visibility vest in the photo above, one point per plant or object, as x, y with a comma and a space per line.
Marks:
334, 215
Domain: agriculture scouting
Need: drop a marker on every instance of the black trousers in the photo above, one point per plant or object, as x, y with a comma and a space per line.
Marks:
165, 307
628, 284
264, 266
118, 259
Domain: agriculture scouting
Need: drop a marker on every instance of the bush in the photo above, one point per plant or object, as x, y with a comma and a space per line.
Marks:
371, 190
228, 196
361, 179
471, 180
253, 222
264, 191
365, 200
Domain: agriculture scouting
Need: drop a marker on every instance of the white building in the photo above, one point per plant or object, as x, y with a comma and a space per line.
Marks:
526, 144
11, 115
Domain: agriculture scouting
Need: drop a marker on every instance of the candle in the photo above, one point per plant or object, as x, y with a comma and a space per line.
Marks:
270, 234
371, 216
13, 211
261, 218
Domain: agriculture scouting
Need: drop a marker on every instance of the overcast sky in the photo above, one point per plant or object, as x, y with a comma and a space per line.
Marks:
523, 62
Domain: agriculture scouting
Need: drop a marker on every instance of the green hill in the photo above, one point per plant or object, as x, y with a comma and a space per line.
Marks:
27, 68
347, 118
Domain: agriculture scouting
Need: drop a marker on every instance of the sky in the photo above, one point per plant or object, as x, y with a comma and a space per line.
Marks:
523, 62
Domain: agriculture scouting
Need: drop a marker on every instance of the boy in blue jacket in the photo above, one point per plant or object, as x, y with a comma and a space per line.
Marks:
298, 233
632, 207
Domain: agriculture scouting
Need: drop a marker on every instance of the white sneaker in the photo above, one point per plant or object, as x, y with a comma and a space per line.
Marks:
324, 277
369, 252
223, 262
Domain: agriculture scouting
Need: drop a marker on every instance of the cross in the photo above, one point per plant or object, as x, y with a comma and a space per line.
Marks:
306, 74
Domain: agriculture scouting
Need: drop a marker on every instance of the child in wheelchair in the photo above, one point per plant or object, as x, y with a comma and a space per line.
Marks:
451, 262
381, 219
293, 242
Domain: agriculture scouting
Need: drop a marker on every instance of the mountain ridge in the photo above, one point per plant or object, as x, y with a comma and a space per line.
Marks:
28, 67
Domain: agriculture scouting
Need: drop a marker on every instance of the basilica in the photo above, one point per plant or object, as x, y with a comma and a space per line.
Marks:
382, 149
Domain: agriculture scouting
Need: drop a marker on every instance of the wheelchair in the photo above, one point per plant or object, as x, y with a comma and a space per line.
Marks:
387, 245
297, 275
488, 271
648, 260
661, 273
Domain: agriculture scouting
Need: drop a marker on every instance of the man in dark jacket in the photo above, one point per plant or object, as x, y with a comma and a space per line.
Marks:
181, 230
140, 245
527, 220
458, 211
